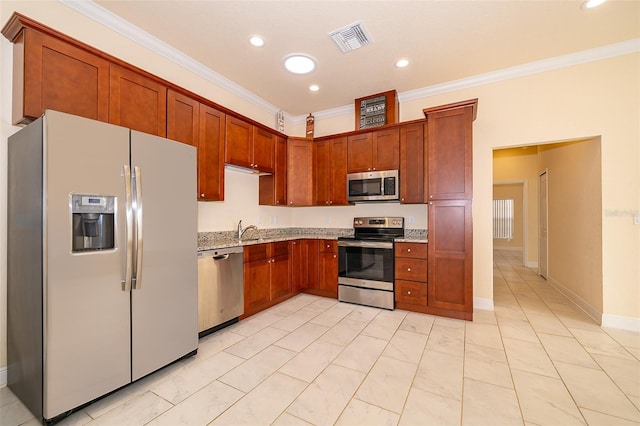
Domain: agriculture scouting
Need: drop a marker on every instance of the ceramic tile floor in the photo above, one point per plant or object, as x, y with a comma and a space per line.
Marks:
535, 360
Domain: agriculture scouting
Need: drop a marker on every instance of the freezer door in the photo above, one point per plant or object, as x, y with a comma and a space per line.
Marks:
164, 299
86, 313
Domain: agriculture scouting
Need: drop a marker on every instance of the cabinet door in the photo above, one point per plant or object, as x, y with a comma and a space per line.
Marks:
238, 136
280, 284
412, 168
359, 153
386, 149
450, 255
299, 172
328, 273
137, 102
272, 189
296, 270
449, 154
183, 115
211, 154
257, 292
321, 173
51, 74
309, 260
263, 150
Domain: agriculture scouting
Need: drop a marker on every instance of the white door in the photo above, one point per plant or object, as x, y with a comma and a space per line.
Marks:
164, 307
543, 256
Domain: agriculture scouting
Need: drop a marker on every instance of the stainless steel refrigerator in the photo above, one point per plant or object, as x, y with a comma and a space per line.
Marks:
102, 259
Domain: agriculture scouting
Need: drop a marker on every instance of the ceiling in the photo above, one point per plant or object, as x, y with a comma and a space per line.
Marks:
444, 40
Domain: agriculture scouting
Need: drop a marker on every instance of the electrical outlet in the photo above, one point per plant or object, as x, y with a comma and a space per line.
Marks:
411, 220
636, 219
327, 219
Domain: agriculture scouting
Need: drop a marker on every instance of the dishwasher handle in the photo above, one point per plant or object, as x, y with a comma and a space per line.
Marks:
221, 257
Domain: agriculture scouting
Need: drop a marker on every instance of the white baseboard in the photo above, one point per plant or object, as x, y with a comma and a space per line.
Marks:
506, 248
481, 303
3, 376
617, 321
594, 313
532, 264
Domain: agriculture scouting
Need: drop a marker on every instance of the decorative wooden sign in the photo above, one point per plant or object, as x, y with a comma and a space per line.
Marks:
377, 110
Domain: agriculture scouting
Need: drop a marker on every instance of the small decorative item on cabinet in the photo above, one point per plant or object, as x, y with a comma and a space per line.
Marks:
310, 124
377, 110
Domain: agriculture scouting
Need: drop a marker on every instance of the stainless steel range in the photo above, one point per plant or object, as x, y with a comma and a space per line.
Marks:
366, 261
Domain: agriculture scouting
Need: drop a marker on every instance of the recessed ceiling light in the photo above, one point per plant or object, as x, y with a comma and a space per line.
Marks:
314, 87
589, 4
256, 40
299, 64
402, 63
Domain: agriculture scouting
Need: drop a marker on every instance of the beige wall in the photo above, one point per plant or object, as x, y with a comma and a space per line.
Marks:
514, 191
574, 218
598, 98
521, 165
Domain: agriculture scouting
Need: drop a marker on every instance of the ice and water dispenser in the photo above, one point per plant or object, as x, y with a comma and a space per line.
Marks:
93, 222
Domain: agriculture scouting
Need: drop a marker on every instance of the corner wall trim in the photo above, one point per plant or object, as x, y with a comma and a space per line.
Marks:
482, 303
617, 321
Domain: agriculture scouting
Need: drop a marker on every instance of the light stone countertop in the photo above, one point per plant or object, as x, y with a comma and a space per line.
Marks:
224, 239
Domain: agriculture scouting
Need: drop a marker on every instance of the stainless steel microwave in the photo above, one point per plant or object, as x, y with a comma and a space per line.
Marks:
373, 186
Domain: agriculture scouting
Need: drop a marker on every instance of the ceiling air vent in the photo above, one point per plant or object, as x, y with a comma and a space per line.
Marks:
351, 37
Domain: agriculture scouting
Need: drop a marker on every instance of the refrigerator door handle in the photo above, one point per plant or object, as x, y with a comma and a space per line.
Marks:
126, 283
137, 272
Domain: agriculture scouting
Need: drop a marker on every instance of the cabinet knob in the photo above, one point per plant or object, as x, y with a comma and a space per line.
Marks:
330, 202
431, 197
408, 250
201, 195
369, 169
334, 256
374, 169
408, 291
290, 202
277, 201
408, 269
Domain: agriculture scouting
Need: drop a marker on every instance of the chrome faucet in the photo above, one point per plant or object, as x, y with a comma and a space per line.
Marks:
242, 231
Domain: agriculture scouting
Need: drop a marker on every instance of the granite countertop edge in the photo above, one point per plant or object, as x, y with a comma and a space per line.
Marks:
226, 239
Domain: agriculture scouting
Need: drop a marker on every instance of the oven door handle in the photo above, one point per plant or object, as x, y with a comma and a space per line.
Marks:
366, 244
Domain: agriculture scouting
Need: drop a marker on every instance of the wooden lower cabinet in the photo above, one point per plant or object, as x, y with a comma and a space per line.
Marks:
328, 269
266, 276
411, 276
304, 264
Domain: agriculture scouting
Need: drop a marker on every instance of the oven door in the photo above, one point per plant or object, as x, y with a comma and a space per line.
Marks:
367, 264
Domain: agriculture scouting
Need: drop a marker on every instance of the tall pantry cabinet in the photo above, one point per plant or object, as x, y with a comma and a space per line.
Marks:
449, 194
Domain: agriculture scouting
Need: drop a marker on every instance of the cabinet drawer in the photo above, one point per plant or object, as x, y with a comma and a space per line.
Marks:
256, 252
281, 248
411, 292
411, 269
328, 246
415, 250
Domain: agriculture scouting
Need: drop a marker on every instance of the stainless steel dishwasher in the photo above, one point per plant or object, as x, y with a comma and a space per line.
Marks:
220, 288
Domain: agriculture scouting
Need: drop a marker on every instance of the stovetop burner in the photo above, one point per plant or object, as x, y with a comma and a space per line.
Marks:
377, 228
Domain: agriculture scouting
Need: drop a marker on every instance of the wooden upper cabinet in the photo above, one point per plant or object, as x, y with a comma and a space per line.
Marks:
412, 164
249, 146
193, 123
359, 153
52, 74
183, 117
299, 172
263, 150
449, 147
211, 154
238, 142
137, 102
386, 149
273, 187
373, 151
330, 171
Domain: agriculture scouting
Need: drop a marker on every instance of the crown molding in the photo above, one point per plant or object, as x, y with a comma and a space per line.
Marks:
141, 37
125, 28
